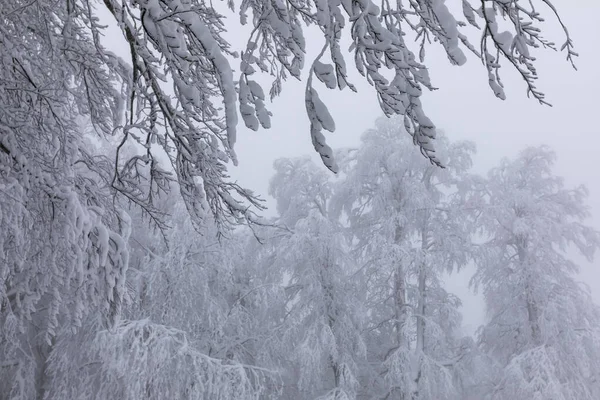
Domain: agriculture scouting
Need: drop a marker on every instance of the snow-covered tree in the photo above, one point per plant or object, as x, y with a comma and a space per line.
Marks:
181, 90
322, 326
408, 226
63, 252
188, 35
176, 95
543, 329
195, 325
140, 359
167, 118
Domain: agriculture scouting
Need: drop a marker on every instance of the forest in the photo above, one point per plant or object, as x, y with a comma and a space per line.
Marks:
132, 266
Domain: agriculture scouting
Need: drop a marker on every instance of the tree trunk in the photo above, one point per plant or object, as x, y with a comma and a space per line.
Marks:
332, 316
421, 304
421, 309
532, 308
400, 295
42, 351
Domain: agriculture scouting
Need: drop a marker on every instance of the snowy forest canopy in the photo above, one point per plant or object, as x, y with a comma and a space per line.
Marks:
133, 267
341, 296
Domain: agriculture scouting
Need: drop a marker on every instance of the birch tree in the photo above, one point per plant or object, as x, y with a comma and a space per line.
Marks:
323, 323
408, 229
543, 328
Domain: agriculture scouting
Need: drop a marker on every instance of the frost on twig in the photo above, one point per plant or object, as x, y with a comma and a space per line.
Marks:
140, 359
385, 57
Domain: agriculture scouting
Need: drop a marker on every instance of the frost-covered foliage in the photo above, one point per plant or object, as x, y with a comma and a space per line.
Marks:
63, 238
383, 55
323, 311
195, 325
63, 242
408, 226
142, 360
165, 101
59, 230
167, 119
341, 297
180, 89
544, 329
206, 288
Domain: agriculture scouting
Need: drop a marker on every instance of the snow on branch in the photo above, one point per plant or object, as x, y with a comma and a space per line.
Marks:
141, 359
384, 56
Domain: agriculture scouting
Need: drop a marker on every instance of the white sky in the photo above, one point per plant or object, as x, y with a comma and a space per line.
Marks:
465, 108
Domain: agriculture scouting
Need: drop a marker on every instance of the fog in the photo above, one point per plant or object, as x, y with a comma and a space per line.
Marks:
463, 106
466, 109
131, 266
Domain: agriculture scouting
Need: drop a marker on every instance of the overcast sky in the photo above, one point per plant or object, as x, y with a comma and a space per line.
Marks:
465, 108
